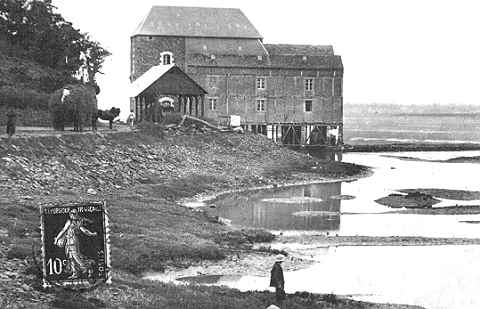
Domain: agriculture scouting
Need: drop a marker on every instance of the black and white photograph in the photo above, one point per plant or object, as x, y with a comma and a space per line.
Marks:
239, 154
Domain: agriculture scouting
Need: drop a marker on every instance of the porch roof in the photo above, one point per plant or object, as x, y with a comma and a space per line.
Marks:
169, 79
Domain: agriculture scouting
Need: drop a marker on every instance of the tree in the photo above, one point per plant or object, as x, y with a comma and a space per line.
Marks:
33, 27
94, 56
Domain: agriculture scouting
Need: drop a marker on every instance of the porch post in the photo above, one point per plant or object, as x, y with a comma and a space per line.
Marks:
196, 106
141, 108
190, 104
179, 102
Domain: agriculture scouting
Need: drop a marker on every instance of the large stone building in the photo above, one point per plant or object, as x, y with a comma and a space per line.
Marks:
291, 93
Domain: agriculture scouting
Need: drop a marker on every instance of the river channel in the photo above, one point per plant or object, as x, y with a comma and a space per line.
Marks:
435, 277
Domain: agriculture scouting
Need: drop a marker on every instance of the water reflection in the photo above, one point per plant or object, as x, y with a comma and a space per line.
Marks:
295, 208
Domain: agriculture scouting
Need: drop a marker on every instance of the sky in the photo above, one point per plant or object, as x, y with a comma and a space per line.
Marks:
400, 52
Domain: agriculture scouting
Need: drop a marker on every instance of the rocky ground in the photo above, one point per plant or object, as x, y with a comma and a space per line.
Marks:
142, 176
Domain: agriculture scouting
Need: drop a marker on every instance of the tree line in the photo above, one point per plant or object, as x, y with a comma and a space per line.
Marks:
34, 30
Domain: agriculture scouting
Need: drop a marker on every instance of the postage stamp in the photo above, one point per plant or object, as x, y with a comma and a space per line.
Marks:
75, 245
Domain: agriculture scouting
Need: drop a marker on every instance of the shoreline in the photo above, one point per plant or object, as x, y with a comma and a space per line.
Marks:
165, 170
407, 147
199, 200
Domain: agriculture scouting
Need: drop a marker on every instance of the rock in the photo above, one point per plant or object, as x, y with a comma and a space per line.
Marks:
91, 191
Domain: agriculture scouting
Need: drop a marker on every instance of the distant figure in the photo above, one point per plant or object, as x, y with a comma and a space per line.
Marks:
109, 115
131, 119
11, 123
276, 279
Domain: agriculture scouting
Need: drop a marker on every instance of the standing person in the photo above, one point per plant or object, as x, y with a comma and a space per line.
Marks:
276, 279
11, 123
131, 119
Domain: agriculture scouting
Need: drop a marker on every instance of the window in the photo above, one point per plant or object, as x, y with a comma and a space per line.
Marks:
166, 58
212, 81
308, 82
308, 105
212, 103
260, 104
337, 86
260, 83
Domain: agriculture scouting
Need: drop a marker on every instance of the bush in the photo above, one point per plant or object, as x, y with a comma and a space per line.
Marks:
20, 98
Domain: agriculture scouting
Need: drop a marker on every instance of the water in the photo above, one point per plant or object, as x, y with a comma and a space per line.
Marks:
437, 277
383, 127
276, 210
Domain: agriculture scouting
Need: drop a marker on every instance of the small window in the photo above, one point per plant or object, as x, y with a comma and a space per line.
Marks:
166, 58
260, 83
337, 86
308, 82
212, 103
260, 104
308, 105
259, 58
211, 81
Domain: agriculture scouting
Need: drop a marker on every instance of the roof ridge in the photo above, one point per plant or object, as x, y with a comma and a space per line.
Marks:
194, 7
190, 21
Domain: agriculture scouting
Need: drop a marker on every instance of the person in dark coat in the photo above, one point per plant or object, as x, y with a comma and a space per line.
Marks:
11, 123
276, 279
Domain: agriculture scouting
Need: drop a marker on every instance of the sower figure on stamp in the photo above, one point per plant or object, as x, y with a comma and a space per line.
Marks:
276, 279
69, 238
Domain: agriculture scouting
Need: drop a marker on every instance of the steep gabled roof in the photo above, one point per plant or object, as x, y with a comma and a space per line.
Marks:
197, 22
162, 72
148, 78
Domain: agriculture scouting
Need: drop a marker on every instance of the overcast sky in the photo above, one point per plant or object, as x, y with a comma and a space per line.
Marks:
404, 52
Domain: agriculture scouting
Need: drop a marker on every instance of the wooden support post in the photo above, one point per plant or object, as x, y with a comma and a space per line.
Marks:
190, 104
179, 103
340, 135
135, 110
196, 106
203, 105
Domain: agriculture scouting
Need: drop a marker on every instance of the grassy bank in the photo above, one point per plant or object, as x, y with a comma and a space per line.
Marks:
142, 177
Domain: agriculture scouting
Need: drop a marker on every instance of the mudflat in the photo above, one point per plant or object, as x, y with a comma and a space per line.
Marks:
142, 177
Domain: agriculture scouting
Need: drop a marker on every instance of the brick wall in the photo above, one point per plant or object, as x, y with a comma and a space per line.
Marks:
235, 87
146, 50
284, 94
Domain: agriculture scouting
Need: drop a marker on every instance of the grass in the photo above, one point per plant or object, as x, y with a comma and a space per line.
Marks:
150, 231
130, 293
